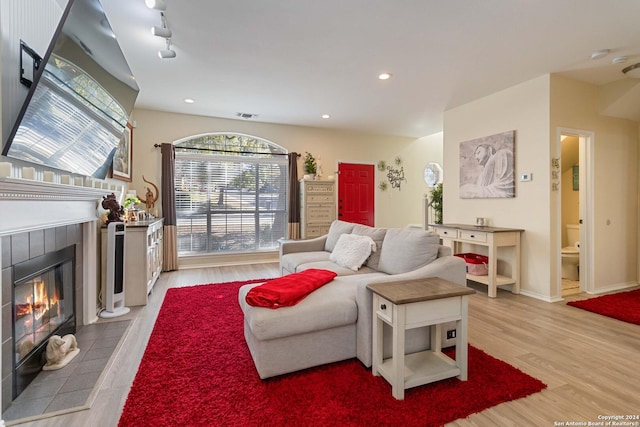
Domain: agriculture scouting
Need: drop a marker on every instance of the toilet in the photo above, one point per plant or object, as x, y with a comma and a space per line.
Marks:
571, 253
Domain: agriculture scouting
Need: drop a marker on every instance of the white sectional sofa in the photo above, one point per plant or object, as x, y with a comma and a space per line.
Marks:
334, 322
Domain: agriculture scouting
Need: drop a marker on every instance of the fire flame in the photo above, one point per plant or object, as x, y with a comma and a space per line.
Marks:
40, 304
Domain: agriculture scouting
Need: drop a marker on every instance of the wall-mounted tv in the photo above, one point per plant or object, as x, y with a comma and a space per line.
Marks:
82, 95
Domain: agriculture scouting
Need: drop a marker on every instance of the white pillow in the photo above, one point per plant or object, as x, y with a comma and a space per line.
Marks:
351, 251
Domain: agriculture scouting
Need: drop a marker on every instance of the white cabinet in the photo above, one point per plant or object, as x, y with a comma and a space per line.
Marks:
143, 259
317, 207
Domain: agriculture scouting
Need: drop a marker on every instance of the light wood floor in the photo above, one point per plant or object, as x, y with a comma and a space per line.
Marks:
589, 362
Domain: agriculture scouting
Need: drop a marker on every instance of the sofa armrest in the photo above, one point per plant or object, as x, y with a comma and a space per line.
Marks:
450, 268
308, 245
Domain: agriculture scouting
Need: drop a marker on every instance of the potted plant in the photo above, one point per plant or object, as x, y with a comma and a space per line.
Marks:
130, 202
436, 203
310, 164
129, 206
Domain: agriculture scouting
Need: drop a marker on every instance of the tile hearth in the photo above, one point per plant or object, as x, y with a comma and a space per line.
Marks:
72, 387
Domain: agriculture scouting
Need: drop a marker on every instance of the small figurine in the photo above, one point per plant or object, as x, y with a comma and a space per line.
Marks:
115, 210
60, 351
150, 199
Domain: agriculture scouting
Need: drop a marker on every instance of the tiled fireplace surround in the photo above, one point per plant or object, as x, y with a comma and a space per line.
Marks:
41, 217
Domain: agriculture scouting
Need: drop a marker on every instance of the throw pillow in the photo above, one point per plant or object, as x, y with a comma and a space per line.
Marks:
337, 229
377, 234
405, 250
352, 251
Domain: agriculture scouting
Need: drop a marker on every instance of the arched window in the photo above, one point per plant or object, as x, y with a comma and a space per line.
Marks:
231, 193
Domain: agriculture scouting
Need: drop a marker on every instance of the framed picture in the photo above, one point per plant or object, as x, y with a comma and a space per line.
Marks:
123, 159
576, 178
487, 167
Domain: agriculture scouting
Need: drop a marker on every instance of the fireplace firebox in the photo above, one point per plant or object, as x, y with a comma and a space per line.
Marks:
43, 305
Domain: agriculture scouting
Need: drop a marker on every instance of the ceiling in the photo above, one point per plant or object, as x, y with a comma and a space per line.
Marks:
291, 61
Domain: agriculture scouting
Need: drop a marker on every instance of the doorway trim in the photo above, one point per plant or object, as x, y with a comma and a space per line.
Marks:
586, 143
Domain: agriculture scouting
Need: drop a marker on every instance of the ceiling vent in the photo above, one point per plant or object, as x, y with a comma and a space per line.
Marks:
247, 116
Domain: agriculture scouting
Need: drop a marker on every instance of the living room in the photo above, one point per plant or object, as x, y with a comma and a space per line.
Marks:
538, 108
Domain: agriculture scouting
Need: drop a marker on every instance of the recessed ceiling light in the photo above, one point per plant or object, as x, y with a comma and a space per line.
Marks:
597, 54
384, 76
619, 59
326, 116
189, 100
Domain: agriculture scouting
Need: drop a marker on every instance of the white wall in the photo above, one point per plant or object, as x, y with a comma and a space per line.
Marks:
535, 110
575, 105
394, 208
525, 109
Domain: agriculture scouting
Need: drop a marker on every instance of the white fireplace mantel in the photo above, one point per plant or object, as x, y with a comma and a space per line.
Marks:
27, 205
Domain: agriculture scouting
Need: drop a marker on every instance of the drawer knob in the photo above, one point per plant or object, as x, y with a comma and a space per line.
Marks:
383, 306
472, 236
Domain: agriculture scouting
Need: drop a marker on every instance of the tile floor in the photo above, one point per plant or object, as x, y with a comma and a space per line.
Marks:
71, 386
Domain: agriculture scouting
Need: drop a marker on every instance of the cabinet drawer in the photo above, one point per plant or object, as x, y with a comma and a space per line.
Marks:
318, 187
384, 309
316, 231
473, 236
447, 233
319, 198
320, 213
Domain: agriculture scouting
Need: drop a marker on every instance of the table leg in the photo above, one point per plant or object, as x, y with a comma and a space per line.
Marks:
462, 347
493, 271
376, 340
397, 374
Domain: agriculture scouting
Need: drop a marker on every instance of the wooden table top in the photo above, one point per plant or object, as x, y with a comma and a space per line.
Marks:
408, 291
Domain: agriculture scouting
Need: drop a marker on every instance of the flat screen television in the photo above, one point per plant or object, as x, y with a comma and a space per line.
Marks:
77, 108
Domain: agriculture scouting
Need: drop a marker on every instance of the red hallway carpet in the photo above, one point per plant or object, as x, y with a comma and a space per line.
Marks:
623, 306
197, 371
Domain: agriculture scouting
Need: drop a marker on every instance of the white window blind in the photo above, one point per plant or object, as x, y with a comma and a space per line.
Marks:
230, 202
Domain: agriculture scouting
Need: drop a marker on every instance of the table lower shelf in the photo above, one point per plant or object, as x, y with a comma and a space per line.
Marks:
421, 368
500, 280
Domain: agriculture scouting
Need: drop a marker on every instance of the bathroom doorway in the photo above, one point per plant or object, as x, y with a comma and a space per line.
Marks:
574, 211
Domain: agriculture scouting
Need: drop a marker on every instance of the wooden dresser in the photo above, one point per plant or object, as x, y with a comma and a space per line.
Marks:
317, 207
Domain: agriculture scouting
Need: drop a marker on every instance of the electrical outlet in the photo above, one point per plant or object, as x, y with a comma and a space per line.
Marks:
451, 334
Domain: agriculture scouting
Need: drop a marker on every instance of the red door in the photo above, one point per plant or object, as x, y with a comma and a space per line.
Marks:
356, 193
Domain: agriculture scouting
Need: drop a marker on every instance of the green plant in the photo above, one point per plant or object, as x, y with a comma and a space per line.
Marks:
436, 202
130, 202
310, 165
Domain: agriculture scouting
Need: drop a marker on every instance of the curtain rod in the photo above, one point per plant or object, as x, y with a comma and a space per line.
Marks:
215, 150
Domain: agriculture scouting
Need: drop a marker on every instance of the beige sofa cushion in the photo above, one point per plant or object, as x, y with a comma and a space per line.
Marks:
405, 250
337, 229
290, 262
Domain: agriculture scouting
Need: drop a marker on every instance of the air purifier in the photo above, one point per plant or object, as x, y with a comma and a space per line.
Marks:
115, 285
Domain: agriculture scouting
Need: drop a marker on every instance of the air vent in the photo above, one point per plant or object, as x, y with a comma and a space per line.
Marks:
247, 116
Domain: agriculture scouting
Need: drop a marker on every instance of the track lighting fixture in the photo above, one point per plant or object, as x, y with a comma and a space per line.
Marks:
162, 31
156, 4
168, 52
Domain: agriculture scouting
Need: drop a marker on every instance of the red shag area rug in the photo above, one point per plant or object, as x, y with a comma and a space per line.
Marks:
197, 371
623, 306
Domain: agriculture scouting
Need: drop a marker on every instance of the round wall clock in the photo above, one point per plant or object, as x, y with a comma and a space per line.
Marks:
432, 174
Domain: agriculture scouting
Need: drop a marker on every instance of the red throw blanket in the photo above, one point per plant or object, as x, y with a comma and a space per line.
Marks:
288, 290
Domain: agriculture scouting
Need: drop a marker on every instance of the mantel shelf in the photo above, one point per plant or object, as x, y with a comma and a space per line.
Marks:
17, 189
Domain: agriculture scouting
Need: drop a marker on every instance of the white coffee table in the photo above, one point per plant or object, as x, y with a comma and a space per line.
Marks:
412, 304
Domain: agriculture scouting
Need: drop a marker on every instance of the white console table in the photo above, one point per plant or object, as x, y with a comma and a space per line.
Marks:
453, 235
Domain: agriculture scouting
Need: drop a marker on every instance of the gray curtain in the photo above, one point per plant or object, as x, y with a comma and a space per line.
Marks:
170, 260
293, 229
